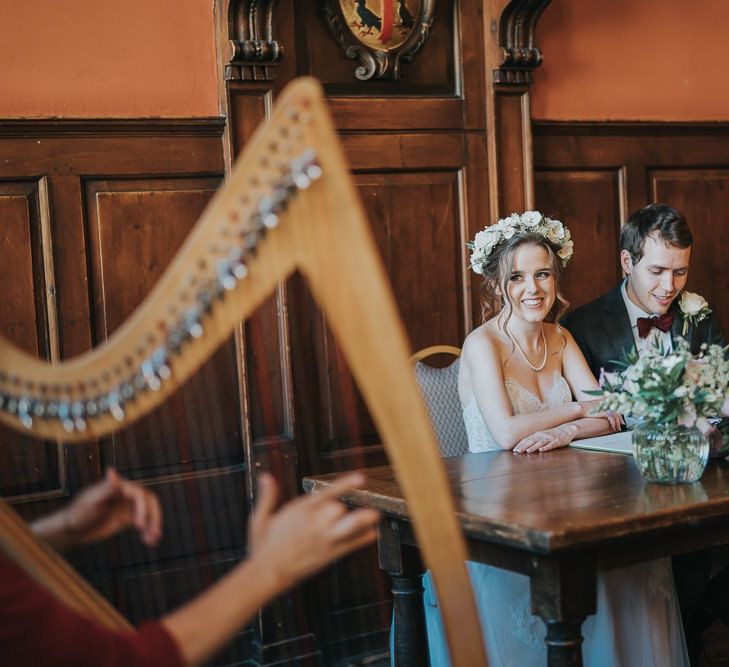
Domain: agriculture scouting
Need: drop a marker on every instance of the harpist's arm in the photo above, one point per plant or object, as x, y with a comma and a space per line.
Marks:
286, 546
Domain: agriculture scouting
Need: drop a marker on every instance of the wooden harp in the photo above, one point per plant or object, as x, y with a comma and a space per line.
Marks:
303, 214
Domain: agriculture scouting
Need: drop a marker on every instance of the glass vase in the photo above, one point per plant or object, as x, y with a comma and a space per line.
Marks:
670, 454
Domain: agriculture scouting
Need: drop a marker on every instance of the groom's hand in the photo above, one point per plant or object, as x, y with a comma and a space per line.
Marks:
615, 419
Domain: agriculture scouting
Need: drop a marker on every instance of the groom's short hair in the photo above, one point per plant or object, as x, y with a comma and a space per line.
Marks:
667, 222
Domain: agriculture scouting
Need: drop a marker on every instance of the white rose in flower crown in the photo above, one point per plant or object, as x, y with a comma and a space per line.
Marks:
555, 231
565, 252
531, 218
694, 309
477, 259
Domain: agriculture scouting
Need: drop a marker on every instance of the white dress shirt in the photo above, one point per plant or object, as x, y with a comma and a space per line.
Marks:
654, 335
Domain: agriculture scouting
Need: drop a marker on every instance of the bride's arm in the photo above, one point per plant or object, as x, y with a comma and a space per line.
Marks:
483, 366
580, 379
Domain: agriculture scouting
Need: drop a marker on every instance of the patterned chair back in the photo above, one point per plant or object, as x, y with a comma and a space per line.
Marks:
439, 387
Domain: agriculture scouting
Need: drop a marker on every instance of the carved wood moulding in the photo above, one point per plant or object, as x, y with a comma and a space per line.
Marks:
521, 56
379, 34
253, 49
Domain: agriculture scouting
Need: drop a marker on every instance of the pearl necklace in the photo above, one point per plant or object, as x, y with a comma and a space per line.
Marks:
541, 366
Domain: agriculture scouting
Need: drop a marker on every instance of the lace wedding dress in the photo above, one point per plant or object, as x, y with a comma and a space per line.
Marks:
638, 623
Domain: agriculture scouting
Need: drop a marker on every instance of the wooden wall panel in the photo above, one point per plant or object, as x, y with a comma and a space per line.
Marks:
681, 164
588, 202
703, 196
22, 313
92, 213
27, 467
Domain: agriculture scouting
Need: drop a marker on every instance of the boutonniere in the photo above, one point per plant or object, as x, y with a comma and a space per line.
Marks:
694, 308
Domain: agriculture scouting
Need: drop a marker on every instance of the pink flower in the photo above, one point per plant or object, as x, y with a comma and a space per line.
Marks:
688, 418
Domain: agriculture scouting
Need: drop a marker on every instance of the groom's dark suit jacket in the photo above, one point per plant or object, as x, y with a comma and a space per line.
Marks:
602, 330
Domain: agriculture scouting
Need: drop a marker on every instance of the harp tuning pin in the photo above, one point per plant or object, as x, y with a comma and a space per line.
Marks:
115, 405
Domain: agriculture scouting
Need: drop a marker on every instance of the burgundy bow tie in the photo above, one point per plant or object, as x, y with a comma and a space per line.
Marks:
662, 322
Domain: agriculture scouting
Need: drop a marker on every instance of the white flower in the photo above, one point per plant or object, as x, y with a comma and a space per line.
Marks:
631, 387
670, 362
531, 218
481, 238
565, 252
555, 231
691, 303
508, 231
694, 309
477, 259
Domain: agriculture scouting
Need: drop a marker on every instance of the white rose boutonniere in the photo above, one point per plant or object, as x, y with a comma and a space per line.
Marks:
694, 308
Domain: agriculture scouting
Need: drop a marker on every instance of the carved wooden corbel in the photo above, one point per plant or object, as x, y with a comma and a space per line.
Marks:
520, 55
253, 49
379, 42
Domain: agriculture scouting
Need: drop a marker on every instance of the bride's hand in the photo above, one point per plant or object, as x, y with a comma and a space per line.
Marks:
615, 419
544, 441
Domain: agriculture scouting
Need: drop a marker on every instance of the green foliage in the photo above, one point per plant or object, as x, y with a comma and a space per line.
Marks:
668, 386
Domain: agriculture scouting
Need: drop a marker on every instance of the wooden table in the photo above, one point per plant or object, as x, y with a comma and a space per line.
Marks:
559, 518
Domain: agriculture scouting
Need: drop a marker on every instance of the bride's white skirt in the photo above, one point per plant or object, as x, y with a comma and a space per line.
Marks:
637, 624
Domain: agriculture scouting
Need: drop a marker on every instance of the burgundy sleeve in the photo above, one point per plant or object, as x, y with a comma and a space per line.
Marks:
36, 628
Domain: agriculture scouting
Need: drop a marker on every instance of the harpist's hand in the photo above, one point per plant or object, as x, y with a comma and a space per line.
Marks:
308, 532
102, 510
545, 441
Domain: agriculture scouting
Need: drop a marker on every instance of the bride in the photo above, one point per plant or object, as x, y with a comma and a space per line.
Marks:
518, 373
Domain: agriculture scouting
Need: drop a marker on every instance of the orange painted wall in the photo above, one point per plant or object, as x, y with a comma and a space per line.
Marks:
100, 58
633, 60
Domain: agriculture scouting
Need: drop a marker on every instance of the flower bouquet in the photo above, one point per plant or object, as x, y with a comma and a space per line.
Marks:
672, 394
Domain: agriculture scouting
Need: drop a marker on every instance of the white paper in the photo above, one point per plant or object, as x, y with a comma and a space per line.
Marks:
621, 443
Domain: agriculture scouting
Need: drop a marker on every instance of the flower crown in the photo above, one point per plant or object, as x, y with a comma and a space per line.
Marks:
528, 222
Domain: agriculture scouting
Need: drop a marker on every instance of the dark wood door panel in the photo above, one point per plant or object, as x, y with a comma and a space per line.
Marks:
419, 231
589, 203
28, 468
418, 228
703, 196
23, 313
135, 228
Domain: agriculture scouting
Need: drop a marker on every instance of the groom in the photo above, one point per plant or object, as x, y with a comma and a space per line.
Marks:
655, 250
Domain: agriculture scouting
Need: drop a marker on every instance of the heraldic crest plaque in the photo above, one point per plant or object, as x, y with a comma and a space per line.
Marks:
379, 34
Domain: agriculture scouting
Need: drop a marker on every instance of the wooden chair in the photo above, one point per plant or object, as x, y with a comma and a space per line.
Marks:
439, 387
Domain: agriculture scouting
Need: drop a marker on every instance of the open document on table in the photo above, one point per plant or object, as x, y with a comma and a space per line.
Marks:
620, 443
